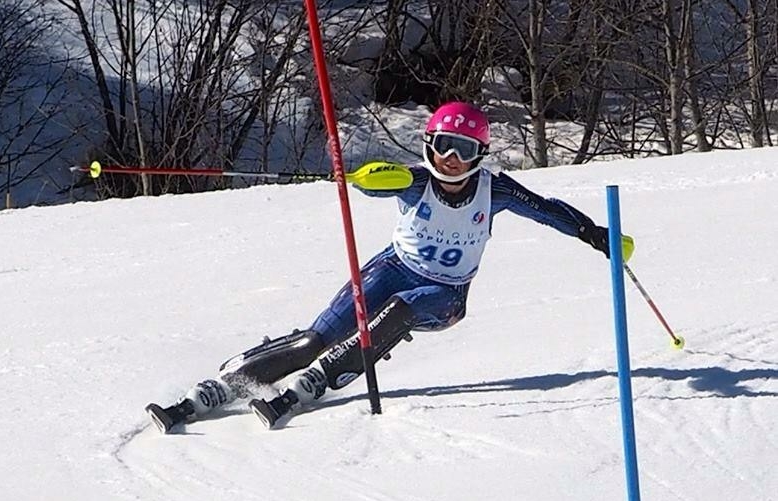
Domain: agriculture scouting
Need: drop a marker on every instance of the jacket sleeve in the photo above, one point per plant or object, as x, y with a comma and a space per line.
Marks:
509, 194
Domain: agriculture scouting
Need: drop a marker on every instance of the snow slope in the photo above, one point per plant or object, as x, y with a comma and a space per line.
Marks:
107, 306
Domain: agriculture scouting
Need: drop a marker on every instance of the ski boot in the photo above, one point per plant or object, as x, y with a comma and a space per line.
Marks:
305, 387
165, 419
198, 401
270, 412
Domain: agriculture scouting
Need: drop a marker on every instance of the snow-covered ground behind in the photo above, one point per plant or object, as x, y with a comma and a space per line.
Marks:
107, 306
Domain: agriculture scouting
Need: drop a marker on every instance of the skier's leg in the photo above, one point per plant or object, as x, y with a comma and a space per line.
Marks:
340, 364
275, 360
271, 360
436, 307
263, 364
432, 307
382, 277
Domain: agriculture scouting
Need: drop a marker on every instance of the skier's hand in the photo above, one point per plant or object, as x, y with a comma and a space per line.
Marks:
597, 237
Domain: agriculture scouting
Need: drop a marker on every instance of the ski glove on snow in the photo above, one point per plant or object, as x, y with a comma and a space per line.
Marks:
597, 237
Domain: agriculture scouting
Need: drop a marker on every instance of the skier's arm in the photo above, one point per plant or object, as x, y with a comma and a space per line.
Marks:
509, 194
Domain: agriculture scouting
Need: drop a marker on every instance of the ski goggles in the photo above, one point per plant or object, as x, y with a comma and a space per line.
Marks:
464, 148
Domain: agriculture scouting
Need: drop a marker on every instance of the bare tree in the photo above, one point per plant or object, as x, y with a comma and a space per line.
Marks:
674, 33
692, 77
274, 70
31, 99
746, 66
227, 83
533, 43
211, 70
759, 127
448, 60
606, 26
552, 60
110, 116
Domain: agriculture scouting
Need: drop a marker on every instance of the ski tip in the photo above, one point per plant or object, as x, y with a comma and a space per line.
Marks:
160, 418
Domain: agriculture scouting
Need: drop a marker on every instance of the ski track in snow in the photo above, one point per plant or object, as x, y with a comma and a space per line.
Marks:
422, 429
726, 379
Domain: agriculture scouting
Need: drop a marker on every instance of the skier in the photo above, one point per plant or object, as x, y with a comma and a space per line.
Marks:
419, 282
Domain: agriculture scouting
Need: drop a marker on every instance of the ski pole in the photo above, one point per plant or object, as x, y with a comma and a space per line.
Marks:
678, 341
375, 175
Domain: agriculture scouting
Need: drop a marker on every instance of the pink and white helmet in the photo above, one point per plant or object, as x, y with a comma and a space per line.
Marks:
456, 128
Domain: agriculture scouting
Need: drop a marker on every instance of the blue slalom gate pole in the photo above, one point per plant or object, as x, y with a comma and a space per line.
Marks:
622, 346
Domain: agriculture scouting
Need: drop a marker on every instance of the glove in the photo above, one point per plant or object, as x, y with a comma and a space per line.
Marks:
597, 237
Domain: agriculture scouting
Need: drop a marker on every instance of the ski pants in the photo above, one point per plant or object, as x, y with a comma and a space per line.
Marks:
435, 306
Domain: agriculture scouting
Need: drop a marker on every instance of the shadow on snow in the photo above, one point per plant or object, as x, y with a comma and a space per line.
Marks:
716, 382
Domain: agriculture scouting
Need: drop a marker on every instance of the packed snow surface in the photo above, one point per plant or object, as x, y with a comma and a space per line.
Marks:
108, 306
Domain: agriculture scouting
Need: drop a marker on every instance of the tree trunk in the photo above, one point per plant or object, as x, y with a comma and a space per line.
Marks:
132, 54
699, 121
756, 89
592, 115
109, 114
675, 78
538, 119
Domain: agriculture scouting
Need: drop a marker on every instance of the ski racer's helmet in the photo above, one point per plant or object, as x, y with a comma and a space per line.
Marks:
460, 129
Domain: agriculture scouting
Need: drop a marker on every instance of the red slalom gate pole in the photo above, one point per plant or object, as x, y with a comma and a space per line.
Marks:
368, 357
